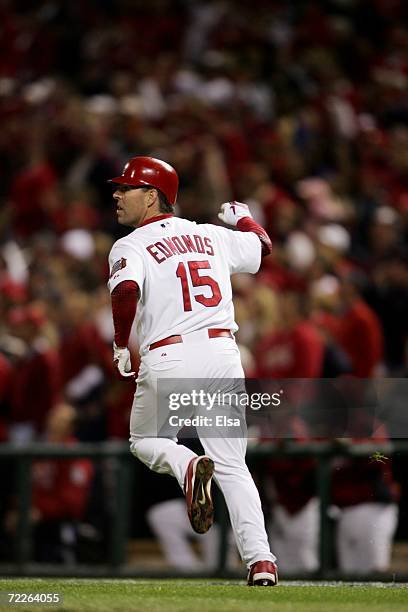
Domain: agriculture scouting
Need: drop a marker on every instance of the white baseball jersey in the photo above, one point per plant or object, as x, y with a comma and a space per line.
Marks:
183, 273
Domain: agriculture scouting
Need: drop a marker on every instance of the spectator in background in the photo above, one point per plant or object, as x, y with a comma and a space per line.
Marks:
308, 125
81, 343
35, 381
289, 490
365, 492
348, 320
34, 199
86, 364
359, 333
60, 489
387, 295
324, 302
295, 350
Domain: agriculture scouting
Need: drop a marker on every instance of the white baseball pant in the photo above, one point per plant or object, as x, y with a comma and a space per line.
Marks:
169, 522
295, 537
199, 357
364, 537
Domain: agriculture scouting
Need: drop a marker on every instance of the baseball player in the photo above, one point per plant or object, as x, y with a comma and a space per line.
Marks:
174, 277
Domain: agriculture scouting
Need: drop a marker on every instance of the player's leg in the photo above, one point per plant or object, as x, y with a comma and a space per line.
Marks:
244, 506
241, 496
155, 421
220, 367
163, 456
152, 440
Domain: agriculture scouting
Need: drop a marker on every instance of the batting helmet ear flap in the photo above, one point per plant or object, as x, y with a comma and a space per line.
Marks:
150, 172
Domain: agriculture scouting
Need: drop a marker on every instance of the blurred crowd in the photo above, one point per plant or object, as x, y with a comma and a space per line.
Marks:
297, 108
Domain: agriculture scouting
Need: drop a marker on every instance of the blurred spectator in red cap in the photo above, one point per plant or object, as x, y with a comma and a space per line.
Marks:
34, 199
35, 383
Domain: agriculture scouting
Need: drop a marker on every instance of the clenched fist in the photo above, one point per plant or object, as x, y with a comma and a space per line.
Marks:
232, 212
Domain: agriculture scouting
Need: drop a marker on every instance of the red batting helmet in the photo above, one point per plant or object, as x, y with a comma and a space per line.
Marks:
144, 171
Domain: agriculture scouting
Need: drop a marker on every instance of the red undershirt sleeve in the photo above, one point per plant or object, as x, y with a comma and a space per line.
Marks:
246, 224
124, 301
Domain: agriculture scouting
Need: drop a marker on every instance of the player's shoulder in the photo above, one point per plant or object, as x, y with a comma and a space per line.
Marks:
130, 241
216, 230
182, 224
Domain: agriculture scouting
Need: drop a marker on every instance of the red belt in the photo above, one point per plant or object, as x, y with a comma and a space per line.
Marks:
212, 333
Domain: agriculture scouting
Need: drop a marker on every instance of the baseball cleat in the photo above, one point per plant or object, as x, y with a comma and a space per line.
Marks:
197, 489
263, 573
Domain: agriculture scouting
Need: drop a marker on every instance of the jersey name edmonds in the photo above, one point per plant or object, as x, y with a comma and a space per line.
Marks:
179, 245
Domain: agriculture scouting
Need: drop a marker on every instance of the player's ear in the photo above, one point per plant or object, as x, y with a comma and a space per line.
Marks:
153, 196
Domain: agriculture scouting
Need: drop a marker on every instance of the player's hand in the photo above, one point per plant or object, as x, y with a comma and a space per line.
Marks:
122, 363
232, 212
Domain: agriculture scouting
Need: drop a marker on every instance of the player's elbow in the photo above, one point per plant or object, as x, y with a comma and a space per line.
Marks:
126, 289
266, 243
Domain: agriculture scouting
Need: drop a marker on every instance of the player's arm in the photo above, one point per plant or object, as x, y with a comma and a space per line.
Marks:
239, 215
124, 299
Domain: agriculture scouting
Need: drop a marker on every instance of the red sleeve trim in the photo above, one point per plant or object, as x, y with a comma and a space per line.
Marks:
124, 301
246, 224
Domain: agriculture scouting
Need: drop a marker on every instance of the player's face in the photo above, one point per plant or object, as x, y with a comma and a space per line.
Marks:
131, 205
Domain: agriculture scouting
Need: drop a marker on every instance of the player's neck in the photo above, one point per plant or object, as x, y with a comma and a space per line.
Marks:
155, 217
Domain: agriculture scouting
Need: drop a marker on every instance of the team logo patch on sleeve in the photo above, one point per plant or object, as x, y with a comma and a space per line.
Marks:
118, 265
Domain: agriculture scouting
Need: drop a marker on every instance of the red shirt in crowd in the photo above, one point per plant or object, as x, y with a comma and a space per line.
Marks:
359, 334
82, 346
61, 487
34, 200
294, 353
34, 387
363, 480
293, 478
